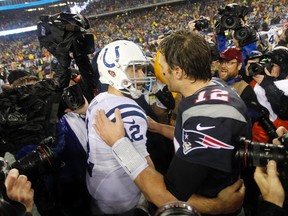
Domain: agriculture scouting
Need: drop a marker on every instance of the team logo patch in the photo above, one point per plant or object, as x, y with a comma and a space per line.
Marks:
201, 140
112, 64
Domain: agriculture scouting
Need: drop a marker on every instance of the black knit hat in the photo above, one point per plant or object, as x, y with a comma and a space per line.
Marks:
15, 75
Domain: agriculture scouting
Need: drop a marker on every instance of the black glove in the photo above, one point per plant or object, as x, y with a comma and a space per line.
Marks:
166, 98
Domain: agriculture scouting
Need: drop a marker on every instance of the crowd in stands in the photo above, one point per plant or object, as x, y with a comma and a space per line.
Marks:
252, 107
143, 26
24, 18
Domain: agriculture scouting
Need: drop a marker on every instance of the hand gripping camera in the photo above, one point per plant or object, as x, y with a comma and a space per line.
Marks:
39, 161
258, 68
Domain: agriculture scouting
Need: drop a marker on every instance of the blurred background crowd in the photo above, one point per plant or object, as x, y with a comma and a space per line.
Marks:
142, 21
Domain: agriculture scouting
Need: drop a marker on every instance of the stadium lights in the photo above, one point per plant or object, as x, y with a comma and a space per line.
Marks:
26, 4
19, 30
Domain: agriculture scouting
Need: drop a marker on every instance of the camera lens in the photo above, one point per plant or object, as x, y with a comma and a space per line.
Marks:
42, 159
255, 69
176, 208
251, 154
230, 22
241, 33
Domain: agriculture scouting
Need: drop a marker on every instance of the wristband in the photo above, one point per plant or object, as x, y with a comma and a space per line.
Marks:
129, 158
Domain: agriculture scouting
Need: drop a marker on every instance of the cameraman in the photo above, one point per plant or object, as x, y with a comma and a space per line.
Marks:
272, 85
198, 25
252, 69
246, 47
19, 195
270, 186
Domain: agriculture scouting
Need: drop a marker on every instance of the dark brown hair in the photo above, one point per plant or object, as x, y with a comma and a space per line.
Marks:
190, 51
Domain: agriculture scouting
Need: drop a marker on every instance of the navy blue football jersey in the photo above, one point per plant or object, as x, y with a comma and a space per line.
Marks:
208, 125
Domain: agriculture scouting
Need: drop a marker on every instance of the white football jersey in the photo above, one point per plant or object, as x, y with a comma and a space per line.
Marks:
270, 36
107, 182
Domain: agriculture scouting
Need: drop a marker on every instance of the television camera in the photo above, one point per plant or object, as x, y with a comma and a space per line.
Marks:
232, 17
64, 32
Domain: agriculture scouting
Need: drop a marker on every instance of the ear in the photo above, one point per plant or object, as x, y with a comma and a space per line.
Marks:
179, 73
239, 66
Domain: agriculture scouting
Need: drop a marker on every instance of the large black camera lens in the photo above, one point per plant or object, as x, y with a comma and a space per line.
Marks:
258, 67
39, 161
230, 22
251, 154
242, 33
245, 35
255, 68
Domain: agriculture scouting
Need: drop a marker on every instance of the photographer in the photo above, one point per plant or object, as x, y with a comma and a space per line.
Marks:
255, 64
230, 64
232, 18
71, 145
18, 196
38, 111
198, 25
270, 186
271, 84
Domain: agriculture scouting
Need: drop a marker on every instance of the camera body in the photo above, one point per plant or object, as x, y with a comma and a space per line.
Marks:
231, 16
64, 32
257, 68
245, 35
251, 154
201, 23
73, 97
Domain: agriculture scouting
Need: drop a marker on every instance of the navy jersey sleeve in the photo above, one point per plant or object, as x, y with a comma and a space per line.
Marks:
184, 179
207, 141
270, 209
